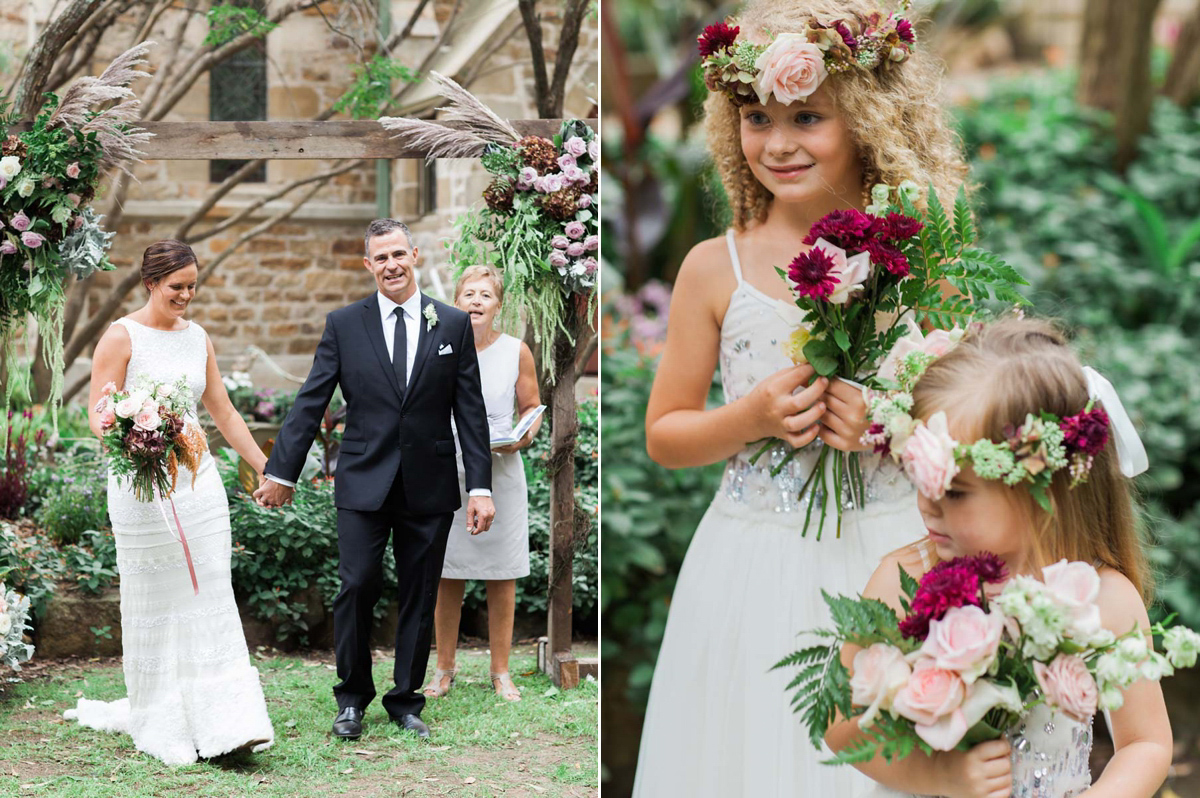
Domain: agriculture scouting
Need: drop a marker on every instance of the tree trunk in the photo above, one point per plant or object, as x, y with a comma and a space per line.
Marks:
1183, 77
1114, 67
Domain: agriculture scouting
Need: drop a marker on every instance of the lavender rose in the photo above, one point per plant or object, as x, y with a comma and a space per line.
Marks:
575, 249
591, 243
31, 239
575, 146
560, 242
575, 229
558, 259
20, 222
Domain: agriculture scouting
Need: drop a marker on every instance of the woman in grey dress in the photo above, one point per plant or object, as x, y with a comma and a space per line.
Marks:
499, 556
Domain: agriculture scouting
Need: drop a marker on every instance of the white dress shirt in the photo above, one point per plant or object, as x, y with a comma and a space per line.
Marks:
411, 310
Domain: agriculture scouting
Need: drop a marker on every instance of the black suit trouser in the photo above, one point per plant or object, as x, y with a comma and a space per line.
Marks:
419, 546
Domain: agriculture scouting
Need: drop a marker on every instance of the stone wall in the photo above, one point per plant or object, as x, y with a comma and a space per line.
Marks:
274, 291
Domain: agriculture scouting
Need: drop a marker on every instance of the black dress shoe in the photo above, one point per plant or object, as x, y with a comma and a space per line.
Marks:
348, 723
414, 723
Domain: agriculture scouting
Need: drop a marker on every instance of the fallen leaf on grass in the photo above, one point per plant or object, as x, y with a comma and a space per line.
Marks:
430, 778
291, 724
469, 780
515, 734
331, 667
367, 753
347, 770
553, 691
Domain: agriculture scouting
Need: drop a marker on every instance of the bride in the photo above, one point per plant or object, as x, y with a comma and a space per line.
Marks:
192, 691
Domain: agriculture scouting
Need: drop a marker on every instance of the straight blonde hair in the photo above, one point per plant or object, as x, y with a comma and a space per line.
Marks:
480, 272
1002, 373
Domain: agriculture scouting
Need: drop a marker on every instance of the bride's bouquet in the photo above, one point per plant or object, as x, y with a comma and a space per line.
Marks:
970, 658
147, 438
868, 280
14, 621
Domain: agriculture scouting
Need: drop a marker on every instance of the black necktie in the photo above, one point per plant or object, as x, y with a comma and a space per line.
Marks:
400, 349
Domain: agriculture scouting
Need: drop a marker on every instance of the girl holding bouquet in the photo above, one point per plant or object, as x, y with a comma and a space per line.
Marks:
1052, 497
192, 690
841, 98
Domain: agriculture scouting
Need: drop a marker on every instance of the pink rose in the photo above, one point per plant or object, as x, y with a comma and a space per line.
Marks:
558, 259
594, 149
589, 266
575, 249
591, 243
560, 242
20, 222
574, 174
849, 272
73, 170
107, 418
880, 671
146, 419
127, 407
575, 146
1075, 586
791, 68
574, 230
1067, 684
930, 693
109, 388
7, 247
77, 222
937, 343
928, 457
31, 239
74, 200
585, 201
566, 162
965, 640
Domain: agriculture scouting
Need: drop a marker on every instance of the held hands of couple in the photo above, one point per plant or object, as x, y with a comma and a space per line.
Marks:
796, 406
272, 494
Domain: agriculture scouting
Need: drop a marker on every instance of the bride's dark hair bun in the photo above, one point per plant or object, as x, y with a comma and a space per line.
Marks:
164, 257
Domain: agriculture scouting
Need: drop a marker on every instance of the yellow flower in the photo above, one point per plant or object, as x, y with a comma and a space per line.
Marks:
793, 345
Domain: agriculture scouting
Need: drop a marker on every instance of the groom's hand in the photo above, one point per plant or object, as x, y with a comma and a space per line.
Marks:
272, 494
480, 512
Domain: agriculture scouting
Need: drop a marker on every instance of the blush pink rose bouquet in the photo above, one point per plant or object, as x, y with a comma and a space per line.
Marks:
887, 263
147, 435
973, 654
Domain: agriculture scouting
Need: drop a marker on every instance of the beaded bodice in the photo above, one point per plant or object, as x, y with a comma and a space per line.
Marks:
1050, 753
753, 333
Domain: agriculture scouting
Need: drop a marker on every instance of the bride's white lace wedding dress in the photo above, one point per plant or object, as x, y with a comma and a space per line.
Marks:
192, 690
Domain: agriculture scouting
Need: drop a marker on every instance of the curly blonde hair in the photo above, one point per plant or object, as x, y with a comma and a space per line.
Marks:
895, 117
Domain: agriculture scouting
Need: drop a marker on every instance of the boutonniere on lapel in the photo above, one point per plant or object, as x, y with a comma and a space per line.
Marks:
431, 319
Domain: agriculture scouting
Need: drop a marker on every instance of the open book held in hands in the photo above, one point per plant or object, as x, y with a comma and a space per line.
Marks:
523, 426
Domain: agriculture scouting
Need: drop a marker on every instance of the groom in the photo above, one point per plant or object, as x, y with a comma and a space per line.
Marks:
404, 362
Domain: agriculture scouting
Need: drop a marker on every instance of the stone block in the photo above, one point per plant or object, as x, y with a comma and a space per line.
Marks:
292, 102
324, 281
255, 279
244, 314
66, 629
348, 246
283, 330
276, 312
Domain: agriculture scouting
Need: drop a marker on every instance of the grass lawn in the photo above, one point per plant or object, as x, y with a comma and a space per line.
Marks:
545, 745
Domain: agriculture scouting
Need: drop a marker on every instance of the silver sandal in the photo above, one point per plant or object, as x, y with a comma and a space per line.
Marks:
434, 689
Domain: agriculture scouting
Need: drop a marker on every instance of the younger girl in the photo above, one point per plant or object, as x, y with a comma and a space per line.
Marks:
812, 135
987, 387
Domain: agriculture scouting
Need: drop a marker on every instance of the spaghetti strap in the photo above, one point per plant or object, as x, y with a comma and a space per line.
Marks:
733, 256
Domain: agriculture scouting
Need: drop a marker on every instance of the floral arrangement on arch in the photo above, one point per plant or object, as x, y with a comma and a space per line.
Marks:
48, 176
975, 651
539, 226
888, 263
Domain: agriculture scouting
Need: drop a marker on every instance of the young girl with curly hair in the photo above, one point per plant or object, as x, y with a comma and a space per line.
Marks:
813, 103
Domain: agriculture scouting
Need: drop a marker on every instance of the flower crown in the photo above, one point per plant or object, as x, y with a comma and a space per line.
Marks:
793, 65
1032, 452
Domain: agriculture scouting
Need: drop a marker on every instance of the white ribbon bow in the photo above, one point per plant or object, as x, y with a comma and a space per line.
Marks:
1130, 452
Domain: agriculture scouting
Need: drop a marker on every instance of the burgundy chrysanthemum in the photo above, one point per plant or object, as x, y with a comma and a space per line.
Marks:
904, 30
846, 35
887, 256
1086, 432
716, 38
896, 227
847, 229
990, 568
811, 274
877, 436
915, 626
947, 585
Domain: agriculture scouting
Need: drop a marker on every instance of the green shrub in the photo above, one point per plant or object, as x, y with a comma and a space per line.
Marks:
74, 499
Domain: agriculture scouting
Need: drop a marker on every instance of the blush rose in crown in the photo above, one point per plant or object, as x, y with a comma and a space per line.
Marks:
975, 651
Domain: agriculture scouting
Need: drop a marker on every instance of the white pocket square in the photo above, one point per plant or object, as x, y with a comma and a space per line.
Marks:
445, 349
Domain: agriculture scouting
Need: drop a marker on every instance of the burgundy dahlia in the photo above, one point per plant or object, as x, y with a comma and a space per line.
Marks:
896, 227
846, 229
915, 626
887, 256
812, 273
990, 568
904, 30
947, 585
1086, 432
716, 38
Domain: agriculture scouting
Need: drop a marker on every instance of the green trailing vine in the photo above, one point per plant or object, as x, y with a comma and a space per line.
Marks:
370, 93
227, 22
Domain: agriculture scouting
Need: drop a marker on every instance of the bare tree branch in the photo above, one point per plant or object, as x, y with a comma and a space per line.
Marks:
80, 49
47, 48
533, 31
151, 20
568, 41
227, 185
1183, 76
163, 73
412, 21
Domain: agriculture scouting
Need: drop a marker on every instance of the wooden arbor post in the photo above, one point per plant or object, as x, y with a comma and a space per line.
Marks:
303, 140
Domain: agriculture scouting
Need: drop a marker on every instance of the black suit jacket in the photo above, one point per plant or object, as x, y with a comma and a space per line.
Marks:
386, 423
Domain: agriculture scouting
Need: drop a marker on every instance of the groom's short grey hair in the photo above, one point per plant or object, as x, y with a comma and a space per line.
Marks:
381, 227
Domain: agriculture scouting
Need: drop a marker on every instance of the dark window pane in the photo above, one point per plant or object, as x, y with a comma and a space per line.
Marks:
238, 93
